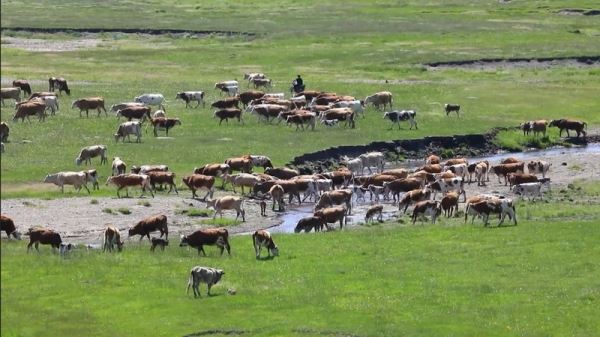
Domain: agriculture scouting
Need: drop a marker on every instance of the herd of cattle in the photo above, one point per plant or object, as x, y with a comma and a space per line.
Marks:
333, 193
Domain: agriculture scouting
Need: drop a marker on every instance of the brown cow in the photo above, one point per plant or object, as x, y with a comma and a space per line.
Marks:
23, 85
398, 173
248, 96
504, 169
150, 224
58, 83
31, 108
282, 172
432, 159
215, 170
456, 161
209, 237
431, 168
262, 238
226, 114
398, 186
130, 179
90, 103
7, 225
427, 207
340, 114
332, 215
569, 124
159, 177
412, 197
510, 160
140, 112
4, 131
242, 164
200, 182
230, 102
520, 178
164, 123
336, 197
44, 236
450, 204
372, 211
277, 192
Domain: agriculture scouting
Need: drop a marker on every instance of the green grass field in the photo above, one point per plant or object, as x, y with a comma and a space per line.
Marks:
539, 278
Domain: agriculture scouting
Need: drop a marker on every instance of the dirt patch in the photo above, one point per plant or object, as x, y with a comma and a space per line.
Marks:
539, 62
170, 32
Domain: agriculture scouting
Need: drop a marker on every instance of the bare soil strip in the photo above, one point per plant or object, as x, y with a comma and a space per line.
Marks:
537, 62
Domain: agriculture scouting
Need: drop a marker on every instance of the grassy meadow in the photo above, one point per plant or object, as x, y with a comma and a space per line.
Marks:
539, 278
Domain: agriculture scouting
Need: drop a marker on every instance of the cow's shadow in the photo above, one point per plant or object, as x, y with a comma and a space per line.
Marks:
265, 258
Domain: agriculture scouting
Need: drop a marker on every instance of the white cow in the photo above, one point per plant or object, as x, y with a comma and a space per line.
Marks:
356, 106
355, 165
151, 99
278, 95
188, 96
51, 103
531, 190
77, 179
373, 159
127, 129
538, 167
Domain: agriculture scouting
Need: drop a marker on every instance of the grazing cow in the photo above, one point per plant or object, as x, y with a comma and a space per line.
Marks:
413, 196
158, 242
120, 106
372, 211
226, 114
227, 203
129, 128
44, 236
7, 225
209, 237
159, 177
332, 215
90, 103
51, 103
112, 237
188, 96
539, 167
138, 112
452, 107
150, 224
493, 205
262, 238
130, 179
531, 190
23, 85
277, 192
118, 166
282, 172
151, 99
77, 179
309, 223
65, 248
335, 197
372, 159
426, 207
398, 116
402, 185
31, 108
450, 204
504, 169
4, 131
60, 84
446, 185
210, 276
340, 114
10, 93
520, 178
89, 152
569, 124
380, 99
164, 123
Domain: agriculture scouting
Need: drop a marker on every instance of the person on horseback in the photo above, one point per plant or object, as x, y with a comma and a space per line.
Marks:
298, 84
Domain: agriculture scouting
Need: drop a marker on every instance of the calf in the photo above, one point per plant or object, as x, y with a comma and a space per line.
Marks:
210, 276
112, 237
309, 223
262, 238
452, 107
150, 224
372, 211
209, 237
158, 242
44, 236
426, 207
